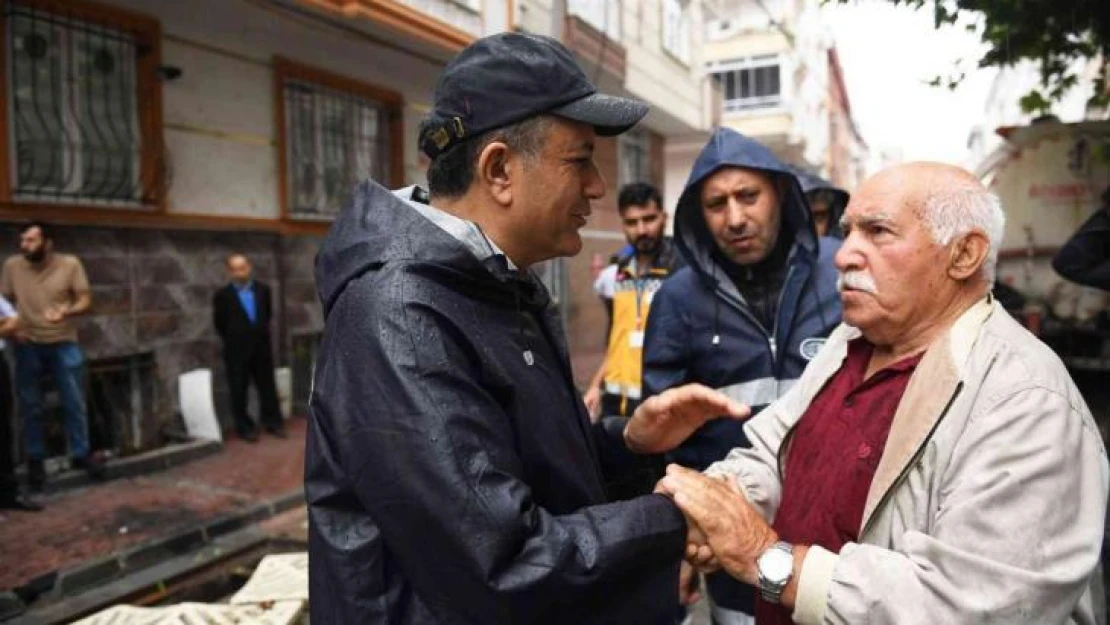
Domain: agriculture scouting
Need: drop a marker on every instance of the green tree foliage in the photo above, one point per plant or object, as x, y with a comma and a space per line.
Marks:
1054, 34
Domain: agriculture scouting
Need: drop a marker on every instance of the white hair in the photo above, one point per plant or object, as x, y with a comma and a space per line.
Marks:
952, 212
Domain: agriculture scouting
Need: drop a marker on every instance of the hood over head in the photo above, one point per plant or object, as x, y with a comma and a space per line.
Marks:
838, 197
728, 148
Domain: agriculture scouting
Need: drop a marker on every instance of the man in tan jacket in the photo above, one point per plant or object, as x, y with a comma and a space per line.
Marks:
49, 290
935, 463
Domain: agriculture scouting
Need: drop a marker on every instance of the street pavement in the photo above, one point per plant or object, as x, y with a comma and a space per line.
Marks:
86, 523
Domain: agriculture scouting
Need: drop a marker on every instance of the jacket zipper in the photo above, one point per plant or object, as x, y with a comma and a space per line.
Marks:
772, 344
913, 460
778, 312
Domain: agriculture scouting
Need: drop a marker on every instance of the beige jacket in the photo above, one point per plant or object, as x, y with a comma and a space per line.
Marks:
988, 502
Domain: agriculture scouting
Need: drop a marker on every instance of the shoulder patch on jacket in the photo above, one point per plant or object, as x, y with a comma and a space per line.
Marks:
809, 347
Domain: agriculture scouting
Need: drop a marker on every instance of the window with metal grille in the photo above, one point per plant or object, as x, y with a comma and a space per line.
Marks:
75, 107
334, 140
634, 154
751, 83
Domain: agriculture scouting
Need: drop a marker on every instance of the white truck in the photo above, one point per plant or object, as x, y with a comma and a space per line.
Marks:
1051, 177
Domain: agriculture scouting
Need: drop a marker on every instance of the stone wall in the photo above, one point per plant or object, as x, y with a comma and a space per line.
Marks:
152, 292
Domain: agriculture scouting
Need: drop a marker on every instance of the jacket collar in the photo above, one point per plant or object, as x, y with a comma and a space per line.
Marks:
933, 386
466, 232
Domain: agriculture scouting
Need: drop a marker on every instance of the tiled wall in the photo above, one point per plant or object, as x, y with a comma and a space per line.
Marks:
152, 292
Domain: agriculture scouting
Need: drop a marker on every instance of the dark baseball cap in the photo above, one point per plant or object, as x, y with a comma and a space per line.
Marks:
505, 78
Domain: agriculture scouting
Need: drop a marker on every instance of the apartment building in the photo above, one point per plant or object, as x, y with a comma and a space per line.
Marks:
160, 136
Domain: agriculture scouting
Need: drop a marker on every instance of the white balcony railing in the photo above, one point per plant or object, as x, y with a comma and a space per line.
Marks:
753, 103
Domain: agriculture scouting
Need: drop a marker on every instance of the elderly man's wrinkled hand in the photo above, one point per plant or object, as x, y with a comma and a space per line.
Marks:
698, 553
734, 531
664, 421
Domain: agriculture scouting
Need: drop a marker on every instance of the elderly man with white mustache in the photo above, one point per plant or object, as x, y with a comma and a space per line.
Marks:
935, 463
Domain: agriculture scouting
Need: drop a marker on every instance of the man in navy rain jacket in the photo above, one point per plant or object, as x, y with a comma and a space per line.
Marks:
452, 474
752, 307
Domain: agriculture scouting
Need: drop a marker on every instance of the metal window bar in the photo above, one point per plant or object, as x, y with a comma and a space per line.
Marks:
120, 394
74, 109
335, 140
123, 392
751, 88
634, 158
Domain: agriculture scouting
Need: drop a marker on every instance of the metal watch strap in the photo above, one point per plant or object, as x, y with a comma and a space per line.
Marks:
770, 591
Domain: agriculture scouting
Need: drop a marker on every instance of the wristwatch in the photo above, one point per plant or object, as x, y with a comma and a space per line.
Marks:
776, 568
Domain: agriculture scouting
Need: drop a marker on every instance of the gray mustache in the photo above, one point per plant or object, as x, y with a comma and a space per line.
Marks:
858, 280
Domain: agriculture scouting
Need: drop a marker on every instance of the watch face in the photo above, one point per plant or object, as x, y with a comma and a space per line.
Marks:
776, 565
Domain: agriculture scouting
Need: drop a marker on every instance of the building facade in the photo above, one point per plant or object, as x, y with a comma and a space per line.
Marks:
159, 137
781, 83
646, 50
848, 152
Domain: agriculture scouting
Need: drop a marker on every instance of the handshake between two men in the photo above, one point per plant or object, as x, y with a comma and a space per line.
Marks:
725, 531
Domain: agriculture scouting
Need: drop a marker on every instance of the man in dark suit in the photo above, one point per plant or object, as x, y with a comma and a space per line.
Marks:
242, 312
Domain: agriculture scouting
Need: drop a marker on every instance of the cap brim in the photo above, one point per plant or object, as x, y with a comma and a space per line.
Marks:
608, 114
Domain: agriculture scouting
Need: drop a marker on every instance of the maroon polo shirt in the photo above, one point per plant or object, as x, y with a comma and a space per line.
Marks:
833, 455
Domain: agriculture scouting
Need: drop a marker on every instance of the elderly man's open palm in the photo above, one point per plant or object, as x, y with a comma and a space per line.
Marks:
664, 421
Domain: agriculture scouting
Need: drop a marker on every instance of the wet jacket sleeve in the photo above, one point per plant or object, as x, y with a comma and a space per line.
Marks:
666, 342
430, 454
1085, 258
1005, 546
618, 462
